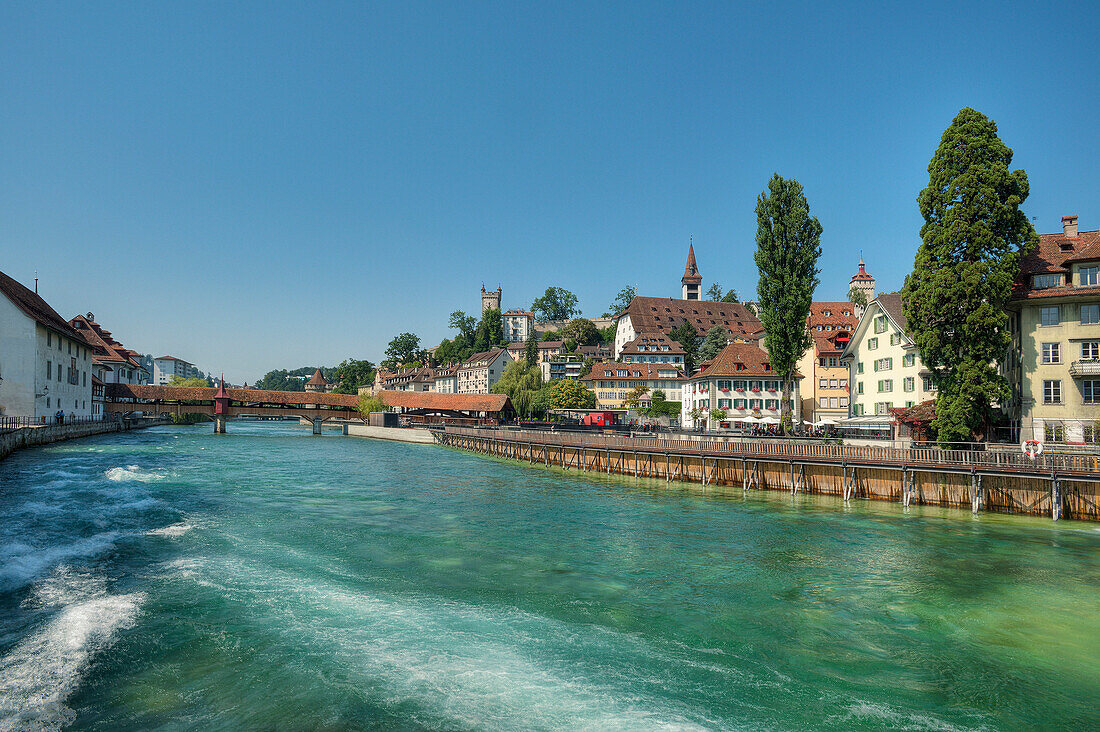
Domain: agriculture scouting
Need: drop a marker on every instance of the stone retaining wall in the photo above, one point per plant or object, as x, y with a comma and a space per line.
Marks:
44, 435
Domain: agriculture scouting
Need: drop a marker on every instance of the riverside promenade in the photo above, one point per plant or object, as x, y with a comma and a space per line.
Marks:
15, 438
1055, 485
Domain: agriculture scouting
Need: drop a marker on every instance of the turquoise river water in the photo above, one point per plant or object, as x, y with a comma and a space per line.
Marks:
268, 579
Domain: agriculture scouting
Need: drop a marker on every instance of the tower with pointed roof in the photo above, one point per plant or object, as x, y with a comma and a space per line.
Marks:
692, 281
863, 282
317, 383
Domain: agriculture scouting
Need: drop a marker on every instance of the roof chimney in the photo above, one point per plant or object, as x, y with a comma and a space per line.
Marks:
1069, 226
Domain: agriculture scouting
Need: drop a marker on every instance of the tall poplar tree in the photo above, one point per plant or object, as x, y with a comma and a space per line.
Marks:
787, 250
973, 236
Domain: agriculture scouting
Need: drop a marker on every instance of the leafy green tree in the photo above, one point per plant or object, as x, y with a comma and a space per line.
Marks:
715, 294
531, 351
716, 339
556, 303
551, 335
540, 403
787, 249
688, 338
973, 236
276, 380
634, 396
571, 394
369, 403
607, 335
581, 331
521, 383
717, 415
466, 325
586, 369
455, 351
857, 296
659, 406
179, 382
351, 374
490, 331
403, 348
622, 300
696, 414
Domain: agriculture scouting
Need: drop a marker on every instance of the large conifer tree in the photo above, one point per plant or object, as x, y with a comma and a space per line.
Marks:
787, 250
955, 298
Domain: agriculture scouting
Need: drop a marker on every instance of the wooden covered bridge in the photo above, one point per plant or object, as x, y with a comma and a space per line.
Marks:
223, 404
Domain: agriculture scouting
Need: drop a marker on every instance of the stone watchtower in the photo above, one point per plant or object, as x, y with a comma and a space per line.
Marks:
692, 281
318, 384
490, 300
863, 282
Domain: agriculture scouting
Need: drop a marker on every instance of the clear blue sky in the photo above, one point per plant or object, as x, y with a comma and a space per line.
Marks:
255, 186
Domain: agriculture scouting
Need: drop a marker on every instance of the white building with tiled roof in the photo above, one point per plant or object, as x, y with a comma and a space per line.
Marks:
478, 374
884, 366
741, 382
45, 365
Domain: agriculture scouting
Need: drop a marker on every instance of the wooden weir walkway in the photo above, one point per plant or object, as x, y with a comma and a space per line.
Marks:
1055, 484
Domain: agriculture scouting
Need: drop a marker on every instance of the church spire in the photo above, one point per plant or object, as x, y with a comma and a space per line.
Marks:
692, 281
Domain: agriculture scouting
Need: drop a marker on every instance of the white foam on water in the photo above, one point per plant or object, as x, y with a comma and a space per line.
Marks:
466, 665
900, 719
42, 670
134, 473
21, 563
174, 530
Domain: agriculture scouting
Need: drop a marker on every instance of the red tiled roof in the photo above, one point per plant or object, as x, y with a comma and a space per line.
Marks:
1053, 255
652, 341
430, 400
648, 371
663, 314
483, 358
35, 307
923, 412
318, 379
832, 325
861, 275
105, 347
752, 358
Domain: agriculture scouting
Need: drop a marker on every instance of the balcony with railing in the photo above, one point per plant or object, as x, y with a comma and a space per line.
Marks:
1085, 368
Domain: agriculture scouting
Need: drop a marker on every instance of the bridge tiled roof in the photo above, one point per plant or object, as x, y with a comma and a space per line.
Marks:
250, 396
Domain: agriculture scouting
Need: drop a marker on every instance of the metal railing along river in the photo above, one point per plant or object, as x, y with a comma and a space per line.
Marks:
1085, 465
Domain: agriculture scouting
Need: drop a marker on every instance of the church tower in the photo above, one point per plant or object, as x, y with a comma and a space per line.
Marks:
692, 281
490, 300
863, 282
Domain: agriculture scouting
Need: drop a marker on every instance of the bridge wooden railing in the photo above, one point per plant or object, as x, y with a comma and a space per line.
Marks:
777, 449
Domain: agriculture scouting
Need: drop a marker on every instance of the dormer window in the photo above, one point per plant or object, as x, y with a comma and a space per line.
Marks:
826, 313
1088, 275
1046, 281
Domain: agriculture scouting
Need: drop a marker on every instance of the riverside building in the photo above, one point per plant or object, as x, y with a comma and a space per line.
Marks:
884, 367
741, 382
825, 393
1054, 365
613, 382
480, 372
45, 365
